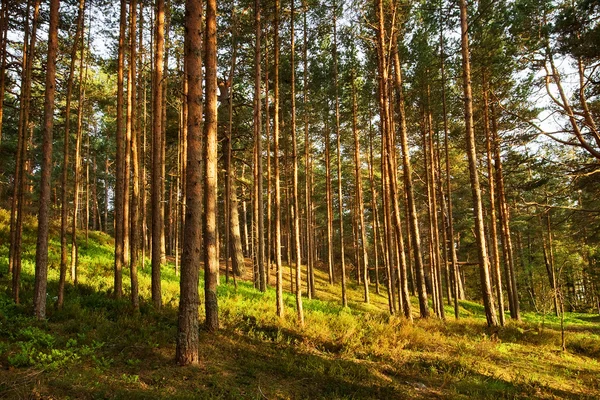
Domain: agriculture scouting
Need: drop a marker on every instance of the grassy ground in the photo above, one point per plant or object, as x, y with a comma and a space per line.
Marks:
96, 347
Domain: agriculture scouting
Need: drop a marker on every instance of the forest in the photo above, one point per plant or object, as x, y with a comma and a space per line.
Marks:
299, 199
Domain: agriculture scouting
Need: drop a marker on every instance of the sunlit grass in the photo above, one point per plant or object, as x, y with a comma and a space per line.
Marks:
99, 347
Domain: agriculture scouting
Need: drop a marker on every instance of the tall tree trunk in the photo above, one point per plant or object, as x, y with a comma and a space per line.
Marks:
492, 196
120, 157
297, 250
329, 191
338, 135
78, 166
359, 195
41, 250
310, 276
16, 225
277, 208
452, 248
262, 269
374, 212
4, 56
507, 248
134, 145
413, 221
484, 264
157, 176
187, 327
211, 261
234, 226
65, 166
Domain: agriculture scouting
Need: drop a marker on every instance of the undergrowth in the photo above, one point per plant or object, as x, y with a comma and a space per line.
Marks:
98, 347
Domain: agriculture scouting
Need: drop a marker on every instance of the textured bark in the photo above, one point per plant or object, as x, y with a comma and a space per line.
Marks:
359, 196
450, 220
309, 232
157, 176
65, 166
277, 208
235, 232
132, 127
211, 261
78, 166
408, 187
187, 327
262, 267
120, 175
507, 247
3, 44
484, 264
297, 250
339, 157
41, 250
16, 224
492, 196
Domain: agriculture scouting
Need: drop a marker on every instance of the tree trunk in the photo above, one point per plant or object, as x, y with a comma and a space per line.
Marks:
65, 166
134, 145
120, 174
157, 176
211, 261
507, 248
492, 196
262, 269
277, 208
41, 251
339, 157
488, 300
16, 225
359, 195
187, 327
413, 221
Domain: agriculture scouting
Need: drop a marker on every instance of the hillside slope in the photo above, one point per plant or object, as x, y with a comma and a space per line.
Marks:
96, 347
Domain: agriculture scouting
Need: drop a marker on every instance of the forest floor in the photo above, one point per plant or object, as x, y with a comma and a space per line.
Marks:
96, 347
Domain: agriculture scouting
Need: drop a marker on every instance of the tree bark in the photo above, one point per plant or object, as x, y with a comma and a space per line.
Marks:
157, 176
488, 300
65, 166
211, 261
187, 327
277, 208
41, 251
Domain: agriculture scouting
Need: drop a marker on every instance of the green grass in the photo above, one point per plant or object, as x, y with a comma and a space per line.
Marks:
97, 347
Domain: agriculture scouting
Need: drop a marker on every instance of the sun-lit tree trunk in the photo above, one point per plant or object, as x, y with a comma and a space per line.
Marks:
78, 168
132, 123
277, 208
120, 174
329, 195
3, 56
262, 267
374, 212
17, 205
269, 217
338, 135
507, 247
296, 211
484, 264
65, 166
450, 218
157, 176
164, 86
211, 261
187, 327
309, 231
413, 221
41, 250
359, 195
492, 196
